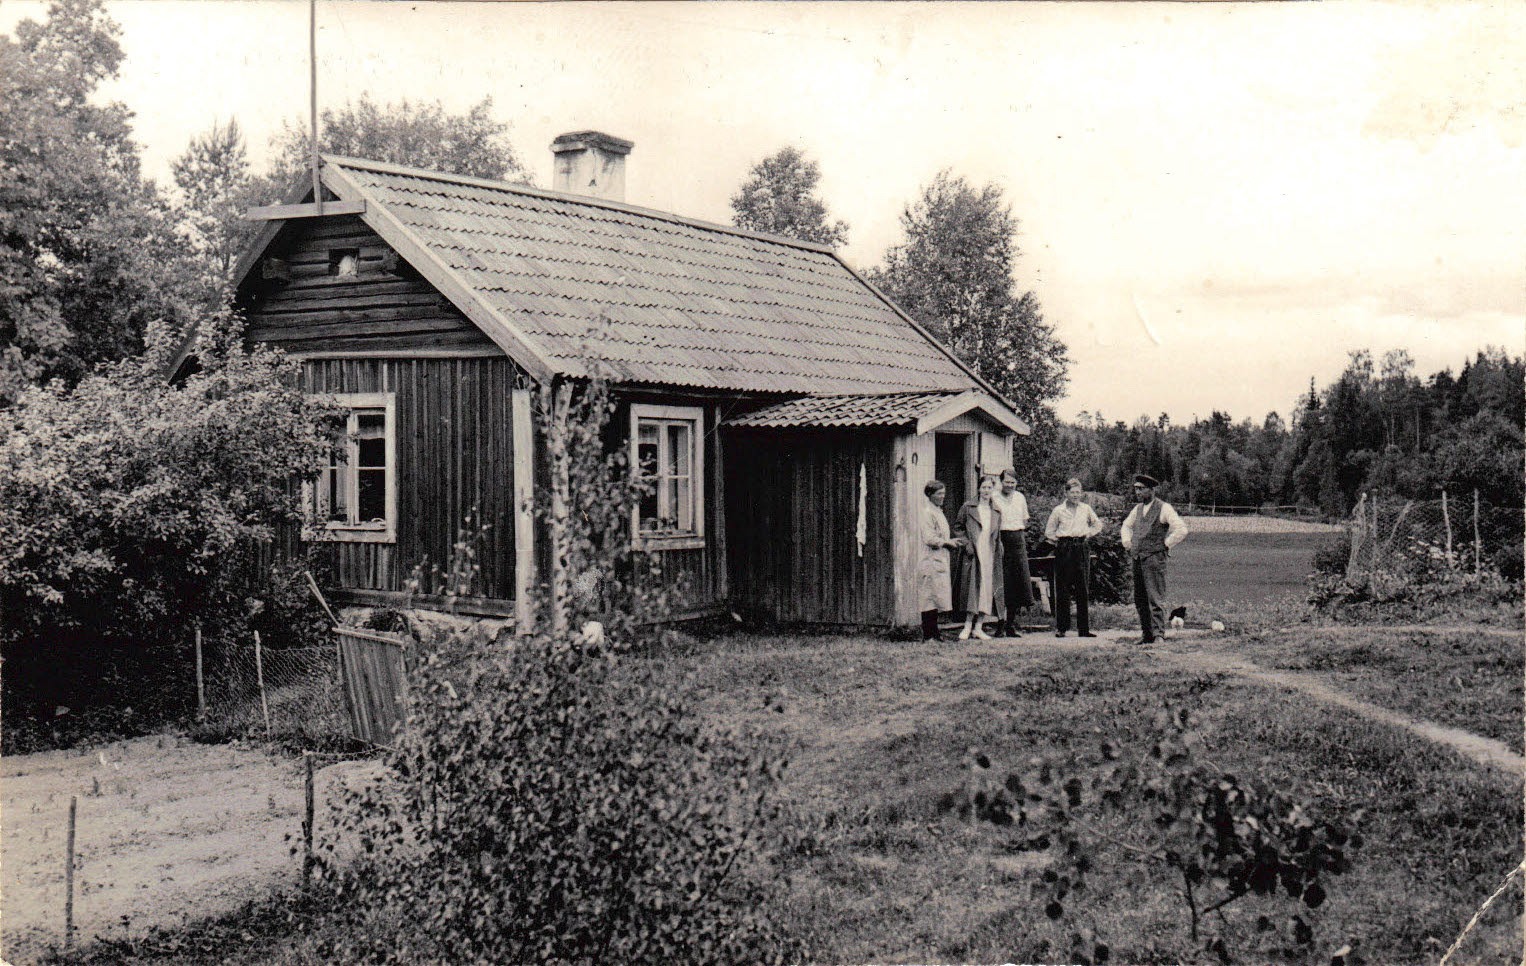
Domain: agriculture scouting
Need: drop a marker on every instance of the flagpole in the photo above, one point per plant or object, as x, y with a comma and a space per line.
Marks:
312, 89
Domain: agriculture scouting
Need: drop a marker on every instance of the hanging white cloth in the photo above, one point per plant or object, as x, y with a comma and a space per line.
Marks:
863, 507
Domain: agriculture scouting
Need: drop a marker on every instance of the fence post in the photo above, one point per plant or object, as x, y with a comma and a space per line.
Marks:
69, 875
1476, 541
201, 690
1446, 519
1376, 537
259, 677
307, 822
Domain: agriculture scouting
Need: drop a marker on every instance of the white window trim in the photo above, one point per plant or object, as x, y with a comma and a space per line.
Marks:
679, 541
330, 531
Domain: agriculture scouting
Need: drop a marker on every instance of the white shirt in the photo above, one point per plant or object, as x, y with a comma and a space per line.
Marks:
1067, 522
983, 514
1176, 529
1014, 509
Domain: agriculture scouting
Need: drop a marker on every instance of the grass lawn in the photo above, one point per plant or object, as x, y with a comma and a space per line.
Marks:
877, 733
1467, 680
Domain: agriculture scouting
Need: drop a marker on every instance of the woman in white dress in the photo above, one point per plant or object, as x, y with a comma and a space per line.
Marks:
935, 590
978, 529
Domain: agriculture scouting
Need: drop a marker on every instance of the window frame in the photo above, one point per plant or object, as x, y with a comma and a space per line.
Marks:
320, 528
694, 417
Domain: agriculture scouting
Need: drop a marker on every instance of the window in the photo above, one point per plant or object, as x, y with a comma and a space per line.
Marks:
668, 453
344, 262
355, 497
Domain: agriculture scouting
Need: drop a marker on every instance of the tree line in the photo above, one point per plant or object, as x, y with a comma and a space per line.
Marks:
1379, 426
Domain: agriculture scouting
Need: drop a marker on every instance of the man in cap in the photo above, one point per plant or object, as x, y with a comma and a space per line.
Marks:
1148, 533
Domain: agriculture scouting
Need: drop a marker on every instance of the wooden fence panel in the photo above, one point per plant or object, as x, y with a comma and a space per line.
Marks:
375, 682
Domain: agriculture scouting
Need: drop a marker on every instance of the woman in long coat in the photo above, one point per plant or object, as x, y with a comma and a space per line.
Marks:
935, 591
978, 529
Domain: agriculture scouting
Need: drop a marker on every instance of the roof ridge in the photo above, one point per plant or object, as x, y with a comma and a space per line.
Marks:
387, 167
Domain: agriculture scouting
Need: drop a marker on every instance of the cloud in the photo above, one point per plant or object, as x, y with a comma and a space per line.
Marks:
1456, 80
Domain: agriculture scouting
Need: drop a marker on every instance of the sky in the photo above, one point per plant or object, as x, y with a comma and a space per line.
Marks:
1217, 201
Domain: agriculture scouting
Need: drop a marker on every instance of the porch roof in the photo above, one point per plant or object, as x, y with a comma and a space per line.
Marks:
922, 411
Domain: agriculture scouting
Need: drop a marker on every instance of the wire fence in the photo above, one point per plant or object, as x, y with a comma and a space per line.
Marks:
291, 695
1406, 538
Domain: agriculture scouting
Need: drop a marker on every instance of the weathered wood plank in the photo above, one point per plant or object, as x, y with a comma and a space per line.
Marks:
285, 212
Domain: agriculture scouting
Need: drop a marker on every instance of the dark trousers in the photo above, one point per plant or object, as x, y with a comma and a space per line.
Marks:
930, 626
1072, 572
1016, 580
1150, 594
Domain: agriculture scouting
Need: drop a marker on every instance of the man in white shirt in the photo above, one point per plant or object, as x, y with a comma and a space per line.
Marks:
1149, 532
1070, 528
1016, 580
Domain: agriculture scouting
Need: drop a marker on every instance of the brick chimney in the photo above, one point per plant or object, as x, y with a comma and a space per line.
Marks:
591, 163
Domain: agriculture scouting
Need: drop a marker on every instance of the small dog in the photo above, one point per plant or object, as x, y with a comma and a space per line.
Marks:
1179, 617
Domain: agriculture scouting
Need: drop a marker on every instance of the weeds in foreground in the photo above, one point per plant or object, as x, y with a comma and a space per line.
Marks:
1218, 837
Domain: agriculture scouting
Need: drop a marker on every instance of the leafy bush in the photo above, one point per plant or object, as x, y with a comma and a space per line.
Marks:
551, 805
1220, 837
125, 506
1333, 556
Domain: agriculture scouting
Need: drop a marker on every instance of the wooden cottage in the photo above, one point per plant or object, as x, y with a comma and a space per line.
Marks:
787, 411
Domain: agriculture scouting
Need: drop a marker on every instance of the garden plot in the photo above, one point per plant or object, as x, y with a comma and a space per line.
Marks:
167, 831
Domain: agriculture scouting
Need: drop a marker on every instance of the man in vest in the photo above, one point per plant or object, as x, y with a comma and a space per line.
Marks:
1149, 532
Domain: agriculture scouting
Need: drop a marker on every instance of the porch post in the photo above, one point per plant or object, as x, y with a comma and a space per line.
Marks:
524, 510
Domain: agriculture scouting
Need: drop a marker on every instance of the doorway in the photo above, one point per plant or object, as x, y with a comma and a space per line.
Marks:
951, 465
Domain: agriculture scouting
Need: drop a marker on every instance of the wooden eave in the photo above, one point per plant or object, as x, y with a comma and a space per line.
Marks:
990, 407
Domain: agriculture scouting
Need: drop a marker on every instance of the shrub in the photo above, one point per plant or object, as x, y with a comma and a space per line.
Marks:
1333, 555
125, 505
551, 805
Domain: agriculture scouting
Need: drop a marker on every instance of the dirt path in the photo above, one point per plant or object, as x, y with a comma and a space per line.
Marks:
1479, 630
1485, 751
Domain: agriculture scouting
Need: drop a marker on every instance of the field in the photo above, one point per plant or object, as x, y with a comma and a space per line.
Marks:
878, 732
1243, 560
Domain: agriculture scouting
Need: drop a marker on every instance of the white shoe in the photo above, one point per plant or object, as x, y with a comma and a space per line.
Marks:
964, 635
980, 634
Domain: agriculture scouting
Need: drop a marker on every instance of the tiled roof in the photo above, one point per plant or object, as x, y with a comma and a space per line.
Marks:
682, 302
898, 409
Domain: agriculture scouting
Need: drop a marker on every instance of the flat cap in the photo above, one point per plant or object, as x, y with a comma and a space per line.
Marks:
1145, 479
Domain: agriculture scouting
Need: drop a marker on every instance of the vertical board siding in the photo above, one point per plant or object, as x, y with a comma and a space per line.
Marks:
792, 531
455, 452
375, 683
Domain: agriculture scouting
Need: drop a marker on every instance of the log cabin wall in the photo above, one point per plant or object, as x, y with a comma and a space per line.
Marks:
793, 520
455, 452
383, 306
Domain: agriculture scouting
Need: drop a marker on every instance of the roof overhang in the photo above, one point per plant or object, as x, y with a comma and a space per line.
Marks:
973, 401
916, 412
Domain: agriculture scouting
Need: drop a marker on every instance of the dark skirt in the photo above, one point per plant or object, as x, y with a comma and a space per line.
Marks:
1014, 559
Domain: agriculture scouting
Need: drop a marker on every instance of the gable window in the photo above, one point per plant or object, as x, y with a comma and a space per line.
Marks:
668, 455
355, 497
344, 262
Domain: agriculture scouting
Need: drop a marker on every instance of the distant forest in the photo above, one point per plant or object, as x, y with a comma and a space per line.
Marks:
1376, 427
